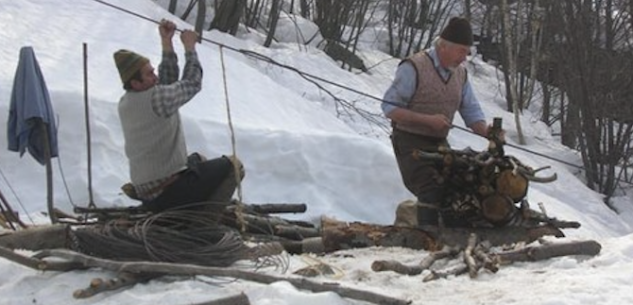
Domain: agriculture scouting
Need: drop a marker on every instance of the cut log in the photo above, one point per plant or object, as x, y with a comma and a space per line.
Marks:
116, 210
296, 232
308, 245
397, 267
91, 215
257, 224
36, 263
537, 253
37, 238
339, 235
277, 208
123, 279
495, 236
238, 299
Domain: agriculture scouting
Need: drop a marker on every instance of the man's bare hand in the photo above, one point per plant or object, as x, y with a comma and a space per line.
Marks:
189, 39
166, 29
439, 122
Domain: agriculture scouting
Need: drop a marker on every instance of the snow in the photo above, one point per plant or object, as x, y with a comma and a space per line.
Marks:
297, 146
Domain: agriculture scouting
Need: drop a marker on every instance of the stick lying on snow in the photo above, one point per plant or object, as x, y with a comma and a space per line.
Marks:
187, 269
476, 257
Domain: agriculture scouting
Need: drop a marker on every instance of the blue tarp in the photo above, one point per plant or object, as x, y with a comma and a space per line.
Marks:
30, 103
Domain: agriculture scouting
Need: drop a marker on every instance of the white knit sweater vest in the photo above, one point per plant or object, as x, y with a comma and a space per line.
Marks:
155, 146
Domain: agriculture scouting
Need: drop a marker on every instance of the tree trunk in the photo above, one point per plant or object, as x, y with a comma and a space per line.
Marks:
339, 235
172, 6
467, 10
511, 70
275, 11
202, 13
37, 238
228, 15
305, 9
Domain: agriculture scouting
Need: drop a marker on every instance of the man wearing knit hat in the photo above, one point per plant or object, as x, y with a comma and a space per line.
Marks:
162, 174
429, 88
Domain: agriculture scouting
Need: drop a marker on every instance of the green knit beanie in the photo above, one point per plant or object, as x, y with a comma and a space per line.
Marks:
128, 63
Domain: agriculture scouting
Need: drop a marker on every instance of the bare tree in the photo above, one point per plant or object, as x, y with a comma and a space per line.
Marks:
467, 9
305, 7
275, 11
172, 6
228, 15
413, 24
200, 17
593, 70
510, 67
190, 7
253, 13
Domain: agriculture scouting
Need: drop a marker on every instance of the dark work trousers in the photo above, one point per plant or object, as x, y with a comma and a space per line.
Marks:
195, 184
420, 176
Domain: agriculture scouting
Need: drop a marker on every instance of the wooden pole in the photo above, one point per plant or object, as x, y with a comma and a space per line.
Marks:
87, 115
49, 169
12, 215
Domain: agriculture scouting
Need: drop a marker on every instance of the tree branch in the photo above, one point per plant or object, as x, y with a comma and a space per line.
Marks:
188, 269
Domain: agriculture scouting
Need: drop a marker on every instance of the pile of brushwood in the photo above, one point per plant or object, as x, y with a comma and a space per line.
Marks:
488, 194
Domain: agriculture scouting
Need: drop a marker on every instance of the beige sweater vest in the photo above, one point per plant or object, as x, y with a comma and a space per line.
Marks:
433, 94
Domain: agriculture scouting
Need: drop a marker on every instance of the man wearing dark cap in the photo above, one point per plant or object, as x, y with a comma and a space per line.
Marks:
163, 175
429, 88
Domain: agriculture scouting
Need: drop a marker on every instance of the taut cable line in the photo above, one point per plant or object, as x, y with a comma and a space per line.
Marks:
312, 78
526, 150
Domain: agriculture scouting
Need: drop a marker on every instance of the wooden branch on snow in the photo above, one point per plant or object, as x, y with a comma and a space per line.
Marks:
488, 263
20, 259
37, 238
296, 232
338, 235
446, 251
397, 267
37, 264
495, 236
123, 279
277, 208
469, 259
188, 269
476, 256
459, 270
425, 264
537, 253
238, 299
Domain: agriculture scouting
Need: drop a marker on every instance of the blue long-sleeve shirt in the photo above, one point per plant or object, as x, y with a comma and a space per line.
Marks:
404, 86
30, 101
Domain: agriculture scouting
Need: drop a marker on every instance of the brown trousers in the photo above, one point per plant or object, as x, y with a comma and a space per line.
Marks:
419, 175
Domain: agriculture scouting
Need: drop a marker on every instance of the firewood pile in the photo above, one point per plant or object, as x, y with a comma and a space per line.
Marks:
479, 255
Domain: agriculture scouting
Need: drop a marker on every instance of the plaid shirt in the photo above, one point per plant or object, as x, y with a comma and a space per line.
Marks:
169, 95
